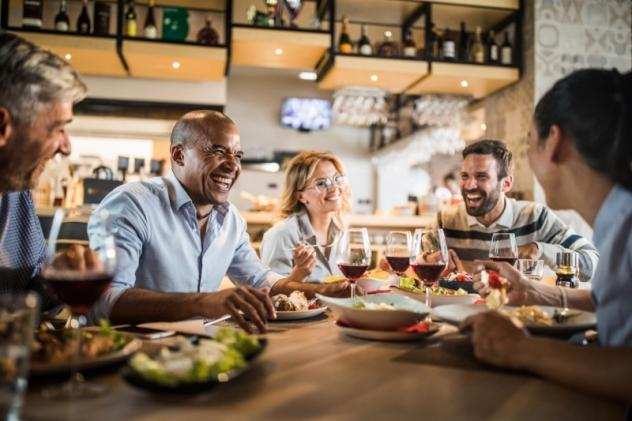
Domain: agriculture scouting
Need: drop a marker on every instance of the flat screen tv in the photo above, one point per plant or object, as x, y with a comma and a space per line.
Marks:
306, 114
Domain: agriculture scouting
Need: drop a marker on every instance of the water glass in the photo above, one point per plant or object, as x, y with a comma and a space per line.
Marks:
18, 314
532, 269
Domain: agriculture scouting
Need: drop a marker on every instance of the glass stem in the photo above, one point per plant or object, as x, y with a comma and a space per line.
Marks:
353, 292
75, 376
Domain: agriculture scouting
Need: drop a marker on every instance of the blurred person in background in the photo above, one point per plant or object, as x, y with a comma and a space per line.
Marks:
580, 149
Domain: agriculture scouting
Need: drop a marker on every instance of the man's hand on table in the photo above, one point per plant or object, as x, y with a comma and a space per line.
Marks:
529, 251
496, 339
335, 289
256, 305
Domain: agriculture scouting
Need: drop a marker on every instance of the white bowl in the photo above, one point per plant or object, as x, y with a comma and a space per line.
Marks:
407, 312
438, 300
370, 285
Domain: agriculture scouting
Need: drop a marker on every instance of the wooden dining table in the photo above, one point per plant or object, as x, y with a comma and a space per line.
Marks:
310, 370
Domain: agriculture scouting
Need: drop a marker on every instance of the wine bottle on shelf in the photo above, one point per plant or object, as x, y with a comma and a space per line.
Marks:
410, 49
464, 44
208, 35
434, 43
101, 17
151, 30
388, 48
449, 47
364, 45
478, 50
32, 14
506, 51
344, 44
492, 48
62, 22
131, 27
83, 22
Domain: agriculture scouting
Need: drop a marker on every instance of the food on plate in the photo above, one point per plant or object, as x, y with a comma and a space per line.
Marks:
497, 296
58, 346
333, 278
296, 301
460, 277
531, 315
421, 327
410, 284
373, 306
377, 273
207, 360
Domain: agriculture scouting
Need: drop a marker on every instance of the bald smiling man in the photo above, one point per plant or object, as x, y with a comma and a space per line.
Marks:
177, 236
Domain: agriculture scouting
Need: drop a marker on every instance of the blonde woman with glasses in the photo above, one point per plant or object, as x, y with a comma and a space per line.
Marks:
315, 197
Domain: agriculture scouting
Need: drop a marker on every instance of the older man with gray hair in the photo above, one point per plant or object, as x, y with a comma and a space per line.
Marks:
37, 93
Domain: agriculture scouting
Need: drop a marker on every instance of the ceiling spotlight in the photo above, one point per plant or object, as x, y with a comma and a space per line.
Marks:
464, 84
307, 75
175, 65
68, 57
278, 51
373, 78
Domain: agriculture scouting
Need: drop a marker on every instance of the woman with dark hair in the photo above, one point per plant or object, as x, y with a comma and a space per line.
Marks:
581, 152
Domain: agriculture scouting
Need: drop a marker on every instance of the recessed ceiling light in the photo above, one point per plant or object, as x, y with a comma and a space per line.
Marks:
307, 75
68, 57
464, 84
278, 51
388, 33
374, 78
483, 126
175, 65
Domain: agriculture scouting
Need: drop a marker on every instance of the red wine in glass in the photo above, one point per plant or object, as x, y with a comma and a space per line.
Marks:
399, 264
78, 290
511, 260
352, 272
429, 273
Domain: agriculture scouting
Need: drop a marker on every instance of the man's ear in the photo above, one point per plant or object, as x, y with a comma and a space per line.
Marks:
507, 183
7, 126
177, 155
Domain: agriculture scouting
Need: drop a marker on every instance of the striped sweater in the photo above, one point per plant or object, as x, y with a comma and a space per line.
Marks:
530, 222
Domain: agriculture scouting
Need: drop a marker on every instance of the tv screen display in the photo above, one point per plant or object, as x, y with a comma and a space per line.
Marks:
306, 114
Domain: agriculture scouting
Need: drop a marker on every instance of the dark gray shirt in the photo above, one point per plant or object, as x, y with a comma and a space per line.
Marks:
612, 284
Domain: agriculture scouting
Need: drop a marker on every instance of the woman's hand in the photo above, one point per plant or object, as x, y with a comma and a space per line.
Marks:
519, 290
304, 257
496, 339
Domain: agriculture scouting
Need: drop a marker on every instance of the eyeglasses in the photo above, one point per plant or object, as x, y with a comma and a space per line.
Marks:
324, 184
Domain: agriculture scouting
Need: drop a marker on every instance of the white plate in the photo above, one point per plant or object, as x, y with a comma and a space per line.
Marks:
389, 335
456, 313
408, 311
299, 315
438, 300
134, 344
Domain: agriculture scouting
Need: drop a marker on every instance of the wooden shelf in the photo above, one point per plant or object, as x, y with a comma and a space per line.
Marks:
196, 62
257, 46
482, 80
89, 55
391, 74
198, 5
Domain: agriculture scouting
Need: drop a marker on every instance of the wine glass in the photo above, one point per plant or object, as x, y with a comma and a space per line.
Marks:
503, 248
429, 257
294, 8
353, 255
77, 275
398, 251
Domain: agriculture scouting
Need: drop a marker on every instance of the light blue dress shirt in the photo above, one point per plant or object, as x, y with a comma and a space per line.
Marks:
159, 246
612, 284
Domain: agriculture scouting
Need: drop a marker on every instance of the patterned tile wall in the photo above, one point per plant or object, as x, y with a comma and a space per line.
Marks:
560, 36
574, 34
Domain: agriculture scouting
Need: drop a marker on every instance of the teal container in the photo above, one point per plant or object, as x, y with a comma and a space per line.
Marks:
175, 24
